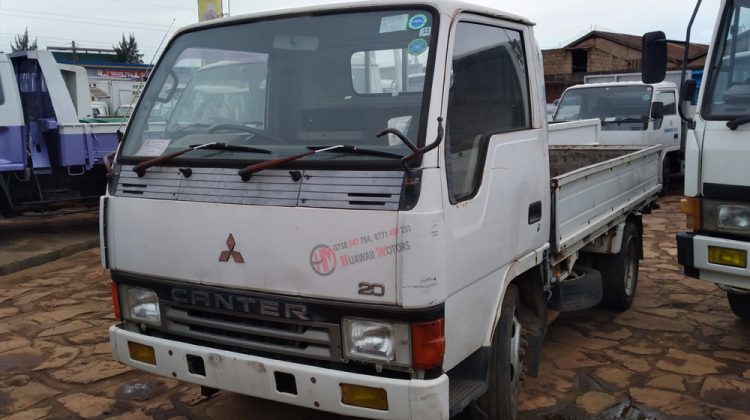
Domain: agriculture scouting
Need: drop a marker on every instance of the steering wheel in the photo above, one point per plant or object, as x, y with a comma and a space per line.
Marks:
241, 127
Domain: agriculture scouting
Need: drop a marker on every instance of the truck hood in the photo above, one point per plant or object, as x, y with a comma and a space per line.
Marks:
314, 252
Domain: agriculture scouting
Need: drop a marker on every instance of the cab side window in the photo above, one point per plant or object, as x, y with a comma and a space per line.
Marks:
669, 101
489, 94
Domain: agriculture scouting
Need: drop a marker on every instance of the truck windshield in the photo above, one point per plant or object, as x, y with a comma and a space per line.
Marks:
618, 107
728, 91
288, 83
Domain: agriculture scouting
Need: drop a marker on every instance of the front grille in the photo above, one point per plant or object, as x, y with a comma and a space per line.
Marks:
253, 333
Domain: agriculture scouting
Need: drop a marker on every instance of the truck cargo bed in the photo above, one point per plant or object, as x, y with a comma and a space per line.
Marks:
595, 187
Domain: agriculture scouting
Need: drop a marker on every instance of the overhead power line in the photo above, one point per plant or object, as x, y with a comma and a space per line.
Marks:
132, 25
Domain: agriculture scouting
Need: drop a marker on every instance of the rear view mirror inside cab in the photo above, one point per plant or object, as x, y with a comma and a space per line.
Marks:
296, 42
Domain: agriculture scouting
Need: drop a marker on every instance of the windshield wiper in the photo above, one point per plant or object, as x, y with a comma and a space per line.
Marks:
733, 124
248, 172
141, 168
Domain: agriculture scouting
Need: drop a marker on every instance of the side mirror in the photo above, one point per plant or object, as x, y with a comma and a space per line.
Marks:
688, 90
654, 57
657, 110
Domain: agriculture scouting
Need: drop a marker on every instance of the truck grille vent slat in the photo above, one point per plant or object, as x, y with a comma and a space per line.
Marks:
252, 333
363, 190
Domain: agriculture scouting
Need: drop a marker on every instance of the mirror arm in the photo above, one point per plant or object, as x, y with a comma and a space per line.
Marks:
690, 122
415, 151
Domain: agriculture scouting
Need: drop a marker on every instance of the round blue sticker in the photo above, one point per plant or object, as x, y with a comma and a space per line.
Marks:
416, 47
417, 21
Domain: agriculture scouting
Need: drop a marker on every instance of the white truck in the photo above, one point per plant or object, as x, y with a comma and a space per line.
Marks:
717, 151
281, 236
630, 113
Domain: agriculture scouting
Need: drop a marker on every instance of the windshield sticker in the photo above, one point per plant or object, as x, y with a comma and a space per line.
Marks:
418, 21
417, 47
425, 31
153, 147
646, 97
393, 23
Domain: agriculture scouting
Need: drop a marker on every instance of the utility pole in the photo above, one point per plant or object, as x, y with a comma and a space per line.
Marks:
75, 56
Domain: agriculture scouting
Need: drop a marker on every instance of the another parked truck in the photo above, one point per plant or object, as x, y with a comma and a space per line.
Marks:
717, 151
292, 235
630, 113
50, 147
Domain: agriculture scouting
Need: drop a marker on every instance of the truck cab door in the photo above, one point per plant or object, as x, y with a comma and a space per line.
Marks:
496, 190
666, 130
12, 126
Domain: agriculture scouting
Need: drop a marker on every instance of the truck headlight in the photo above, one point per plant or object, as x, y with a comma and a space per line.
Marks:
141, 305
733, 217
376, 341
727, 217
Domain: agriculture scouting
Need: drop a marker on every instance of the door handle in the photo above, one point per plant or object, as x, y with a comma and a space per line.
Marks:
676, 136
535, 212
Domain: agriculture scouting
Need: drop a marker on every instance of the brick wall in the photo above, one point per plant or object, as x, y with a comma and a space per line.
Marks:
556, 61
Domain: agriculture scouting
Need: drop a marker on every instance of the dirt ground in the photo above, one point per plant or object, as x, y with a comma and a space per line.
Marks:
679, 352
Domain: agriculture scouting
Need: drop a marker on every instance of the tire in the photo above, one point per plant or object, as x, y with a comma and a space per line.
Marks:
500, 402
666, 180
740, 305
620, 271
581, 290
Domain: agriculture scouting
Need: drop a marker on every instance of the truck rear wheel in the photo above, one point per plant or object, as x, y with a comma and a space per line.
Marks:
506, 364
740, 304
620, 271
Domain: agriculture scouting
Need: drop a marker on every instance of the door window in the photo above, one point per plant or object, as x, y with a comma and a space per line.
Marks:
489, 94
668, 99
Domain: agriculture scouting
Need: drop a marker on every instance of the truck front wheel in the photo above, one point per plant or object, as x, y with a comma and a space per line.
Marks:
740, 304
620, 271
506, 364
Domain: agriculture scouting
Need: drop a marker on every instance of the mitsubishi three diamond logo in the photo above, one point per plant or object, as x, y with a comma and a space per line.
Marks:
231, 253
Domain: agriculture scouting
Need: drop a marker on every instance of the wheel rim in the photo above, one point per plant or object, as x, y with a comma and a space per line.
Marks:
515, 358
631, 269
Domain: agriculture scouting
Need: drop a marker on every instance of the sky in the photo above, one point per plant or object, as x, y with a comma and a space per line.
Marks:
101, 23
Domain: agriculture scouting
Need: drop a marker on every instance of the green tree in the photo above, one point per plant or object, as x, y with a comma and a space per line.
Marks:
127, 50
22, 42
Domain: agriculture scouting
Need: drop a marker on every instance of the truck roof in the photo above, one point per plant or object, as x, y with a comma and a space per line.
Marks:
290, 7
660, 85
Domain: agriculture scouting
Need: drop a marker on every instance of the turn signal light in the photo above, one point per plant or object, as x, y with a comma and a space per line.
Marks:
115, 300
727, 256
364, 396
692, 208
427, 344
142, 353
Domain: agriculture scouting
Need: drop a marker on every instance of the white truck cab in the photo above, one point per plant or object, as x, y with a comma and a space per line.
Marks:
369, 221
717, 151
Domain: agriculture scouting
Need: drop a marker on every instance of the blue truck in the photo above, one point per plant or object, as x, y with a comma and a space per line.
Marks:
52, 150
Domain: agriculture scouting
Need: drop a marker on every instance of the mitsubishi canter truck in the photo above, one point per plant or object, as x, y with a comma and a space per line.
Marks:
354, 208
628, 113
717, 152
